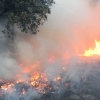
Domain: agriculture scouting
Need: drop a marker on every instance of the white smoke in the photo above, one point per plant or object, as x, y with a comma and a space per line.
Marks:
9, 67
73, 24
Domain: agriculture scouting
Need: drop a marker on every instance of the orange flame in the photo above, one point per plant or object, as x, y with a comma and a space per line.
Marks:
93, 52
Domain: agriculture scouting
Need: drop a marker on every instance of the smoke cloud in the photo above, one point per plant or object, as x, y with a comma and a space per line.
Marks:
71, 28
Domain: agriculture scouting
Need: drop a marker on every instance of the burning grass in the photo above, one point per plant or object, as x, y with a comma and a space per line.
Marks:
39, 87
77, 80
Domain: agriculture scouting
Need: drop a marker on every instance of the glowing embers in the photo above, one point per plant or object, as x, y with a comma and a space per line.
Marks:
38, 80
7, 88
95, 51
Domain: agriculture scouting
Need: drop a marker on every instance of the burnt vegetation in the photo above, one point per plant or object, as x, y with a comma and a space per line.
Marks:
26, 14
86, 88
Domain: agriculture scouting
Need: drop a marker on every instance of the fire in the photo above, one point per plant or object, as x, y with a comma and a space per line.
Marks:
36, 78
23, 91
93, 52
7, 86
57, 79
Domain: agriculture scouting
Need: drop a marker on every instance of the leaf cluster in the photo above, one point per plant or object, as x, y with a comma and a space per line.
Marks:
26, 14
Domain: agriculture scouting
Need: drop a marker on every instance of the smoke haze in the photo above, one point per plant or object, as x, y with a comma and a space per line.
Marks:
71, 28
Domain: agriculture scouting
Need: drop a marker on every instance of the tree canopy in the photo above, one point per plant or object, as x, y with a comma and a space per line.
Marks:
26, 14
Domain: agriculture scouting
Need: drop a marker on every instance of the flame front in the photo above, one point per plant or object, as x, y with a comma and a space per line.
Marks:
38, 79
93, 52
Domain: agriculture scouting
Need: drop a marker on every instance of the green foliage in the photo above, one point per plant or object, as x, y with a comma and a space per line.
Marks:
26, 14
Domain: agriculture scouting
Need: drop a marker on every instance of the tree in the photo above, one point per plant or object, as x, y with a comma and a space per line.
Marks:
26, 14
